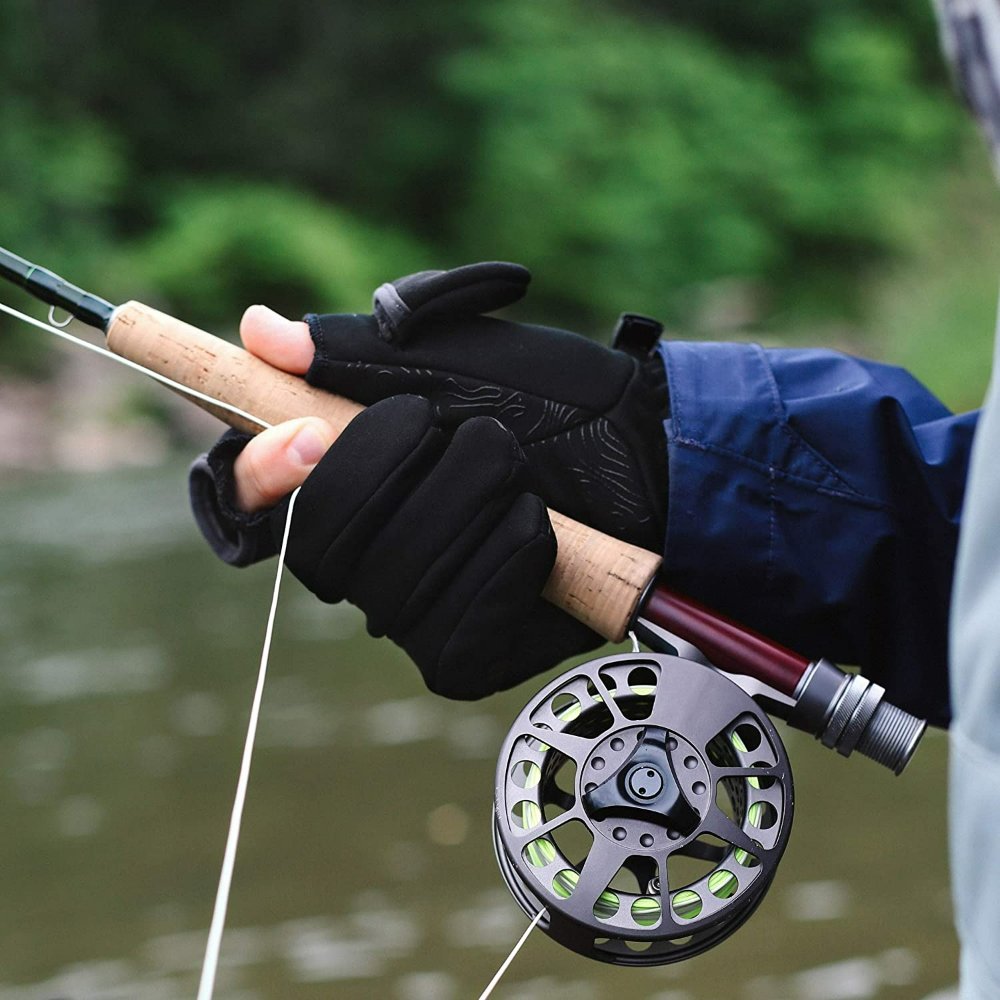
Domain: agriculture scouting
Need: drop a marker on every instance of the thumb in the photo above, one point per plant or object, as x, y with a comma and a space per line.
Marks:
279, 459
281, 342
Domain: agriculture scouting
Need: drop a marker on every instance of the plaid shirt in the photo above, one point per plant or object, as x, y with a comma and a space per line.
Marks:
970, 32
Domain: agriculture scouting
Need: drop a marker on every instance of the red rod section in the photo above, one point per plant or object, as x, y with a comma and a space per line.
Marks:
727, 644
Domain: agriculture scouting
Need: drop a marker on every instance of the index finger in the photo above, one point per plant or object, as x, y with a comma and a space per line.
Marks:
283, 343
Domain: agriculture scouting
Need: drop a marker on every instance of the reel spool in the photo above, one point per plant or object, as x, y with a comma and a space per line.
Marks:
643, 801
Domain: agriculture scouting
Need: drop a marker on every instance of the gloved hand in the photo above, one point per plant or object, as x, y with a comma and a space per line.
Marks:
434, 534
588, 418
460, 595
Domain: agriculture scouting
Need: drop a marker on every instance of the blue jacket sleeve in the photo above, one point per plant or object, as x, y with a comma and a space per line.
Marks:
816, 497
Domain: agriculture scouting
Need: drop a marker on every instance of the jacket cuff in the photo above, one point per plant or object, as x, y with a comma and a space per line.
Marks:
237, 538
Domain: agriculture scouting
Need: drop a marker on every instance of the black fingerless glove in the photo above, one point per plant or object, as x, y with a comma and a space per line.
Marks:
589, 419
434, 534
429, 513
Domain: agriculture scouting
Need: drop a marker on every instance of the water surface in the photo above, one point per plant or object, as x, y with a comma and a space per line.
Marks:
365, 869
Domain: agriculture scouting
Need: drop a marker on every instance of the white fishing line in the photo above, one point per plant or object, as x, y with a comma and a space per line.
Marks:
177, 386
208, 970
213, 946
510, 958
206, 986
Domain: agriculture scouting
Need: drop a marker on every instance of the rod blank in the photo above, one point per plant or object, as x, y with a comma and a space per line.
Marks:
49, 287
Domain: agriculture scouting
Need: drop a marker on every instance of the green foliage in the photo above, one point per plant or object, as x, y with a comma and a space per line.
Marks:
635, 155
59, 180
224, 245
935, 313
635, 160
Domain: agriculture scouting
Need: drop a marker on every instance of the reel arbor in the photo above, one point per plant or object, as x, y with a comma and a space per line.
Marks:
643, 801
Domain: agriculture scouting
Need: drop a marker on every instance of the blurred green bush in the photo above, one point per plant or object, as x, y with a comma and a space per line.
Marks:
734, 168
636, 160
222, 245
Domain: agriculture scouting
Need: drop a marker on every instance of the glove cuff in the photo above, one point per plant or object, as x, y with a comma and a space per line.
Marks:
236, 537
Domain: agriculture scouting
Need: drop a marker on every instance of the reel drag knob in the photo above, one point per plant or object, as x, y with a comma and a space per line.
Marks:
643, 801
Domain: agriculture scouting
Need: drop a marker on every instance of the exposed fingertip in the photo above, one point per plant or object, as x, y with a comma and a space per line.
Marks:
278, 460
281, 342
255, 314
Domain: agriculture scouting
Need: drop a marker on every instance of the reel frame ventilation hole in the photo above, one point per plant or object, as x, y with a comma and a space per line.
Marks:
632, 773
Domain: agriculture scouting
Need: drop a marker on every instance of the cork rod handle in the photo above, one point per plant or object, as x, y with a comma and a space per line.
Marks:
597, 579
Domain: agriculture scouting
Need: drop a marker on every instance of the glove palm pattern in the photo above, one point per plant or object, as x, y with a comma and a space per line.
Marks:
589, 419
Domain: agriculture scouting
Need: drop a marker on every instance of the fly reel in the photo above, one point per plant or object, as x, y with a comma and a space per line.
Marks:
643, 801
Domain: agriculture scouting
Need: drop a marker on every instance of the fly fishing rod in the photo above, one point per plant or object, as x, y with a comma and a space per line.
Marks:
642, 800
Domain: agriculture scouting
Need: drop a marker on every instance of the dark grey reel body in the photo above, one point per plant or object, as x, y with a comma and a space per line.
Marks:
643, 801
